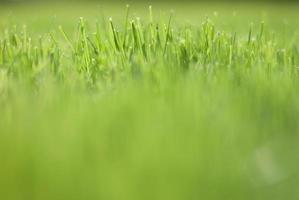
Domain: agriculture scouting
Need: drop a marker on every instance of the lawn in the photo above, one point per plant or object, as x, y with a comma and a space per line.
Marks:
181, 102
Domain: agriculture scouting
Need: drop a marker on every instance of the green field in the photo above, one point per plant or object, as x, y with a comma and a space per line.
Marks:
174, 102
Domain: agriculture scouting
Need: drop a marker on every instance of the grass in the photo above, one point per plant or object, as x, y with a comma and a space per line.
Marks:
150, 108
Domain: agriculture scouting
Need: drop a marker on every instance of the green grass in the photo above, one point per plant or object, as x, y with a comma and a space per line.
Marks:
157, 107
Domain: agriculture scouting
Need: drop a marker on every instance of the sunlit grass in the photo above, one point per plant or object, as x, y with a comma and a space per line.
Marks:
149, 108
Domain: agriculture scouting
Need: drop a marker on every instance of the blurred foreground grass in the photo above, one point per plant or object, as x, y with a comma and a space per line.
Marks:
203, 111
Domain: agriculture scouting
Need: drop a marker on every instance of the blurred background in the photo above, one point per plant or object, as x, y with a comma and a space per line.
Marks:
48, 13
150, 1
280, 1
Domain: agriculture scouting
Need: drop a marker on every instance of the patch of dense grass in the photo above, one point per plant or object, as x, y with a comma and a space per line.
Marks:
148, 109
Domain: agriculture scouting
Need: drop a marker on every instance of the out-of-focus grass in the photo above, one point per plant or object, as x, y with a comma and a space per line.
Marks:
45, 16
215, 131
191, 141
